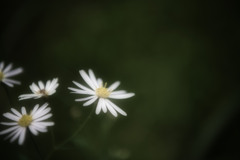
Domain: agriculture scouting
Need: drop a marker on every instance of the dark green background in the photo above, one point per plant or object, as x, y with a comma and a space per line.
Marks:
179, 57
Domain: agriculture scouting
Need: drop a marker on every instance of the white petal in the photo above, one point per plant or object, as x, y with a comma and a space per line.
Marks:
17, 134
48, 84
53, 88
11, 116
34, 88
13, 132
34, 109
53, 85
9, 123
116, 108
119, 92
37, 125
8, 68
43, 129
90, 101
100, 82
13, 72
84, 99
93, 78
7, 83
104, 107
28, 96
9, 130
99, 107
43, 117
44, 124
114, 86
41, 85
87, 79
40, 109
82, 87
121, 96
23, 109
45, 111
1, 66
78, 91
16, 112
22, 136
111, 109
7, 80
51, 92
33, 130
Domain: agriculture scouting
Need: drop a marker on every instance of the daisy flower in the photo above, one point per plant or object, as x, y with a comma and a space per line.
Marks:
41, 90
6, 73
23, 121
100, 92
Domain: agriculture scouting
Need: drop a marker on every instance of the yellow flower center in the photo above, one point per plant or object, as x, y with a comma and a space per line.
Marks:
103, 92
1, 75
25, 120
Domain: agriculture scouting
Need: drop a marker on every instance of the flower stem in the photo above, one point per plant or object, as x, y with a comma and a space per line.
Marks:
46, 100
72, 136
35, 145
7, 94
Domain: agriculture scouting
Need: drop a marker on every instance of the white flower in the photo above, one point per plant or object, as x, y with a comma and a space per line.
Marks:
23, 121
100, 92
41, 90
6, 73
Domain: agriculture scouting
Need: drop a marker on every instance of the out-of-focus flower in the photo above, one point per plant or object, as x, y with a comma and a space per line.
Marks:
6, 73
41, 90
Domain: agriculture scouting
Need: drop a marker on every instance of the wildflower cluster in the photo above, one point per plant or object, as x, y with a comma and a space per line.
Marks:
36, 119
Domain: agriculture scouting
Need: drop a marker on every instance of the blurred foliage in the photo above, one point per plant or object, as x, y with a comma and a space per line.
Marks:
179, 57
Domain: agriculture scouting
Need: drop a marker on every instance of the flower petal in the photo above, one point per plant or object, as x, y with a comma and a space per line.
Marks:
93, 78
111, 109
79, 91
82, 87
16, 134
9, 130
114, 86
121, 96
87, 79
16, 112
41, 85
22, 136
33, 130
28, 96
90, 101
13, 72
43, 117
23, 109
9, 123
8, 68
119, 110
84, 99
11, 116
99, 106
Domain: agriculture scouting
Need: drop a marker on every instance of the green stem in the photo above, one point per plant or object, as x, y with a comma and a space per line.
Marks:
7, 94
53, 137
46, 100
35, 145
72, 136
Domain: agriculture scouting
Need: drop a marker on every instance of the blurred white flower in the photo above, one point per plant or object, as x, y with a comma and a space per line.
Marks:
23, 121
100, 92
6, 73
41, 90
